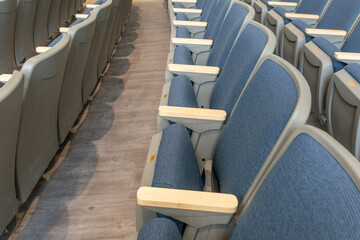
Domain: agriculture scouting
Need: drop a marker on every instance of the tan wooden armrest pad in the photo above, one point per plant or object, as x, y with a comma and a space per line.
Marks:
329, 32
92, 5
189, 23
187, 10
63, 29
302, 16
187, 200
184, 1
42, 49
5, 77
81, 16
191, 41
347, 56
193, 69
285, 4
192, 113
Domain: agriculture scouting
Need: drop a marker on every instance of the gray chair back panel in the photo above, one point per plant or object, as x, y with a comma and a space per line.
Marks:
7, 26
24, 30
38, 140
54, 15
10, 109
63, 15
70, 104
41, 22
90, 77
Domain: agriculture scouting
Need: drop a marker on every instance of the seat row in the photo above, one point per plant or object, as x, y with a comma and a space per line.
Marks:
233, 156
41, 100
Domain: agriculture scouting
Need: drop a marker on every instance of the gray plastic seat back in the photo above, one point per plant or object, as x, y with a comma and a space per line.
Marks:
119, 21
70, 104
38, 140
7, 26
54, 15
71, 9
10, 109
24, 30
63, 15
342, 108
113, 30
90, 78
41, 22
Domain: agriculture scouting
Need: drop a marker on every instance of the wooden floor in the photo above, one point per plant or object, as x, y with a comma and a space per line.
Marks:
89, 191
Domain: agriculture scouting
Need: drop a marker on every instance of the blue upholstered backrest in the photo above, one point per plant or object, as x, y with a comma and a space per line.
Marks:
354, 70
216, 19
307, 195
208, 8
341, 14
227, 35
312, 6
256, 124
352, 44
238, 67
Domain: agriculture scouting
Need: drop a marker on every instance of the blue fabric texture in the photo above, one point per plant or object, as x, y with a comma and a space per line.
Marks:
329, 49
77, 22
312, 6
281, 11
256, 124
354, 70
182, 32
208, 9
181, 17
227, 35
341, 14
182, 93
182, 55
56, 41
307, 195
159, 228
237, 69
176, 164
216, 19
352, 44
178, 5
301, 26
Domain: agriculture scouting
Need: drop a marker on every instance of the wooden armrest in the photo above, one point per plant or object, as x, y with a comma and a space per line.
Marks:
42, 49
197, 74
194, 45
347, 57
289, 6
81, 16
187, 200
192, 26
192, 113
63, 29
184, 1
5, 77
319, 32
92, 5
310, 19
186, 10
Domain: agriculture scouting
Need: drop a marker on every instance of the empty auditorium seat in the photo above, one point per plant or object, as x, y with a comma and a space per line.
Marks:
70, 104
273, 104
10, 108
24, 30
63, 14
91, 75
263, 6
310, 191
7, 29
343, 101
54, 17
338, 19
38, 137
277, 17
41, 22
253, 44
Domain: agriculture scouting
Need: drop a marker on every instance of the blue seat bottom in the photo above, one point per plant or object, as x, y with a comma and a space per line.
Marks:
329, 49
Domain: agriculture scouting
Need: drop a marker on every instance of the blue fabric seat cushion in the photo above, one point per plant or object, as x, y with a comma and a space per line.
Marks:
301, 26
159, 228
181, 17
354, 70
281, 11
56, 41
182, 32
329, 49
178, 5
182, 55
182, 93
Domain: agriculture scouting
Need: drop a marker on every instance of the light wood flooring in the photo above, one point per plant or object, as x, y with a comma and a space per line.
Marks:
89, 189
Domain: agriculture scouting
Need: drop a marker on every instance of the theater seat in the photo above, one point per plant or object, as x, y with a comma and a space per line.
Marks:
274, 103
41, 22
263, 6
7, 29
38, 137
342, 104
54, 15
10, 109
70, 104
319, 59
310, 191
